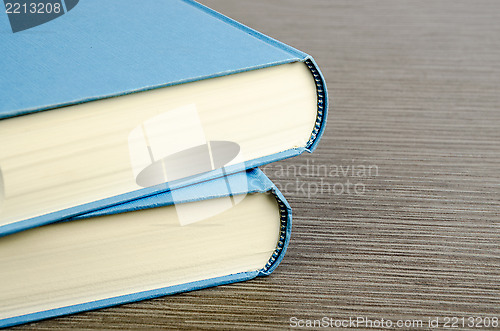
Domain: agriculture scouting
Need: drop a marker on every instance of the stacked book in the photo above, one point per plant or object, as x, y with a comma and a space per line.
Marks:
130, 136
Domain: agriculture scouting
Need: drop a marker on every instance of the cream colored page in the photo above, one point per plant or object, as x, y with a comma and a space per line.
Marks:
66, 157
70, 263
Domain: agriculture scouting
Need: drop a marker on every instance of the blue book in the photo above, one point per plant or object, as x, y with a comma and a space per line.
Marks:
222, 231
106, 102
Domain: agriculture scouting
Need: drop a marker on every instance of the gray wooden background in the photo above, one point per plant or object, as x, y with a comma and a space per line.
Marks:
415, 89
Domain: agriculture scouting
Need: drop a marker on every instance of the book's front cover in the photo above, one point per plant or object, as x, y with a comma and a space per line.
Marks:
97, 49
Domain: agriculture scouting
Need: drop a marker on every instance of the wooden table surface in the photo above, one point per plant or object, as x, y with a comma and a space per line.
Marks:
397, 213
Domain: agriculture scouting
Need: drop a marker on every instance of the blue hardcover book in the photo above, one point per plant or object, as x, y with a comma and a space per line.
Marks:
222, 231
106, 102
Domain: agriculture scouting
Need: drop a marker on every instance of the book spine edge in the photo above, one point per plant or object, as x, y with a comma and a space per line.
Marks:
284, 236
322, 103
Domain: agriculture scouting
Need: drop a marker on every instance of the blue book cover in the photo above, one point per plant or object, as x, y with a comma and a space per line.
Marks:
77, 53
68, 299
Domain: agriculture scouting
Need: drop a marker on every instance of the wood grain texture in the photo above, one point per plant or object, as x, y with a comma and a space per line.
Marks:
415, 87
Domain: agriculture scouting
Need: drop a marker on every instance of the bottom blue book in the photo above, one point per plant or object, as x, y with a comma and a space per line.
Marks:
217, 232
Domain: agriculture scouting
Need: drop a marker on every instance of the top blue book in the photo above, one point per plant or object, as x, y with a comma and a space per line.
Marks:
87, 86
